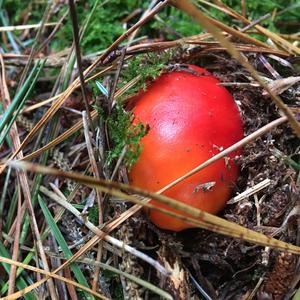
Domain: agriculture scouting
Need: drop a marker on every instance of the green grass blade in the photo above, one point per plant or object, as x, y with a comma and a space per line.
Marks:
20, 282
18, 98
9, 34
63, 244
11, 211
20, 106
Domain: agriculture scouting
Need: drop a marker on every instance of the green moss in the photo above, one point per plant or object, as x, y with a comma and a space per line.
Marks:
105, 25
94, 214
120, 123
148, 66
124, 133
120, 126
175, 23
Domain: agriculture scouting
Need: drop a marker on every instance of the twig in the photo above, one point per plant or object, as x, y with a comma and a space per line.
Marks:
252, 24
112, 91
250, 191
33, 49
52, 34
15, 254
73, 16
206, 46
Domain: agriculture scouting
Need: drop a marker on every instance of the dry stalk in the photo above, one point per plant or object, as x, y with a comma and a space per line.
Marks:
48, 275
98, 193
23, 180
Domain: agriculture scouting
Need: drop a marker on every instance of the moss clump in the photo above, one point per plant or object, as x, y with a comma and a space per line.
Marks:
124, 133
147, 66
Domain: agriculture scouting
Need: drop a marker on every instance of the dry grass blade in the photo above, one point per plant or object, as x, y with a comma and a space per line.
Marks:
24, 185
206, 46
250, 191
52, 99
21, 293
59, 139
45, 118
104, 235
280, 85
71, 130
48, 275
210, 25
204, 220
33, 48
13, 269
66, 134
289, 47
98, 194
25, 27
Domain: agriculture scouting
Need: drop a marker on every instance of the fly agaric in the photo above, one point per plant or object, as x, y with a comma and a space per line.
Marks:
191, 118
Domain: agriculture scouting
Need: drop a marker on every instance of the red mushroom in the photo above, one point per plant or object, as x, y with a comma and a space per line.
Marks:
191, 118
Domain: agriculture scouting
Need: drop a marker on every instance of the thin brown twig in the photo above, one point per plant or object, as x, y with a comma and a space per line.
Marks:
15, 254
112, 91
52, 34
279, 40
244, 12
74, 20
255, 22
17, 60
33, 48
